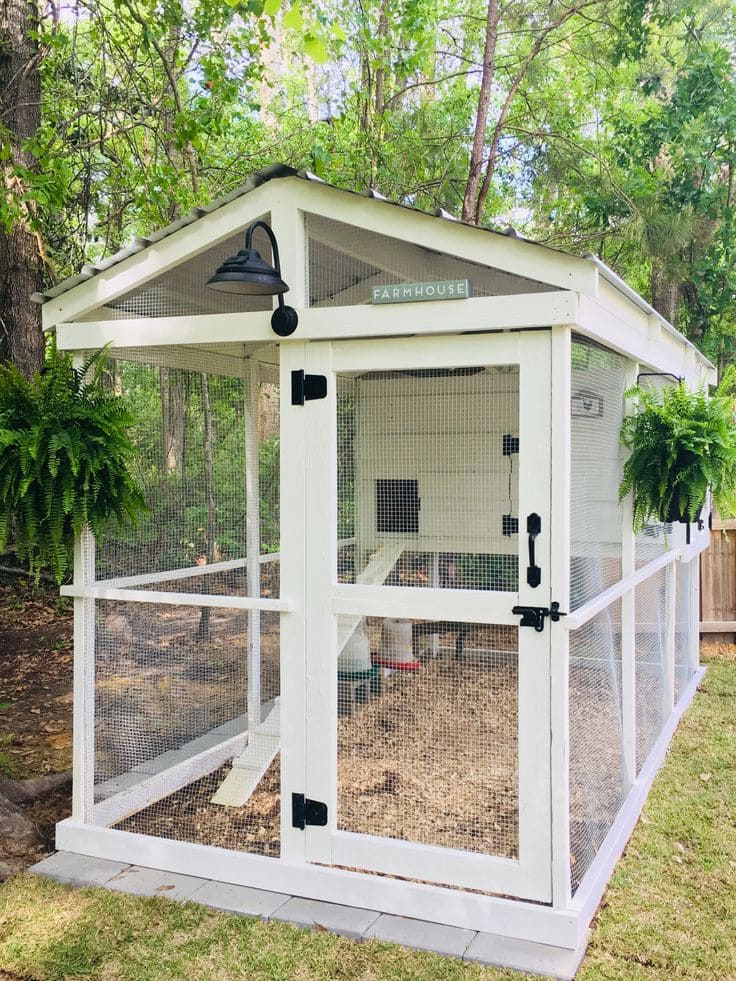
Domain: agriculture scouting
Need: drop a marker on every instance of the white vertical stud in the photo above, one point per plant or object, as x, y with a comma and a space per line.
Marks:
628, 626
83, 730
253, 537
560, 638
670, 596
293, 585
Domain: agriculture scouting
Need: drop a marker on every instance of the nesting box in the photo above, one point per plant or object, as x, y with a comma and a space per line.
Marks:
434, 446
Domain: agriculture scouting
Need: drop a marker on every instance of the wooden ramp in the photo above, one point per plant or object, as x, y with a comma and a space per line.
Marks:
265, 741
248, 768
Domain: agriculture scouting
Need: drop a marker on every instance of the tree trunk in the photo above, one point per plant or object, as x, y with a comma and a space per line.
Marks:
666, 293
21, 267
481, 118
172, 412
18, 833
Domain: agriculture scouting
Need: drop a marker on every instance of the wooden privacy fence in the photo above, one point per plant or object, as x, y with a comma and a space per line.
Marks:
718, 583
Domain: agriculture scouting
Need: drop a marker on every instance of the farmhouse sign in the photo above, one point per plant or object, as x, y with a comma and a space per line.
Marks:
443, 289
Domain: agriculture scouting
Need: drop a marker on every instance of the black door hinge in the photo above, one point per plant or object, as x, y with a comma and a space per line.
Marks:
305, 811
304, 387
533, 616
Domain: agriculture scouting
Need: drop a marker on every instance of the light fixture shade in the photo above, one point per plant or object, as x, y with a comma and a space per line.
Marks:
247, 273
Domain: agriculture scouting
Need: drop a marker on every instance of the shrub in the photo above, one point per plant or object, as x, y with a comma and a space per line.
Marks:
64, 459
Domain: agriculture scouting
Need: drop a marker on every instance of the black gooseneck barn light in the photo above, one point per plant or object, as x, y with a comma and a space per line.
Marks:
248, 273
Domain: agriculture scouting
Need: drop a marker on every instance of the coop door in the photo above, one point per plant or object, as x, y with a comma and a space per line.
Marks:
427, 733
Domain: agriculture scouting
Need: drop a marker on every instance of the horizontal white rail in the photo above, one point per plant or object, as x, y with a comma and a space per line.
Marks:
177, 599
190, 571
573, 621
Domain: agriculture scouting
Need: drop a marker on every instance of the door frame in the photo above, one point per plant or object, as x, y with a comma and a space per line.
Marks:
529, 876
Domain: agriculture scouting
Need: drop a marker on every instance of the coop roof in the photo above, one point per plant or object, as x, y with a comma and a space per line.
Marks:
502, 263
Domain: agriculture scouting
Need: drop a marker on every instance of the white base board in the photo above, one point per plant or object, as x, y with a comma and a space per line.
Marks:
507, 917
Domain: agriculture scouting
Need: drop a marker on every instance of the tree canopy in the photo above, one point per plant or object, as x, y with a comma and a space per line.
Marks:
589, 124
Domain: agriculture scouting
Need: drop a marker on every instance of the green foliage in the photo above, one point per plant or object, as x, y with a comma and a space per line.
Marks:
64, 460
681, 444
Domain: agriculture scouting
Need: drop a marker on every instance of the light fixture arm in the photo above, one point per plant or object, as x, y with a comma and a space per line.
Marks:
271, 237
284, 319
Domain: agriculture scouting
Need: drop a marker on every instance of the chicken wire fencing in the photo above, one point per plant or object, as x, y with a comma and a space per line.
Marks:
597, 783
428, 478
652, 708
596, 413
190, 438
182, 291
685, 629
427, 733
186, 735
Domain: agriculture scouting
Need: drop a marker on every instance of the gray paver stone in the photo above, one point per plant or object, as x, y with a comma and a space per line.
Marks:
78, 870
350, 921
140, 881
525, 955
435, 937
239, 899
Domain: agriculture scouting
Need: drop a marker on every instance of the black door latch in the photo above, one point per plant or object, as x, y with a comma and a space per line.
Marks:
533, 572
533, 616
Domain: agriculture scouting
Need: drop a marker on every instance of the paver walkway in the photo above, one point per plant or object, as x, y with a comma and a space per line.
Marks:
349, 921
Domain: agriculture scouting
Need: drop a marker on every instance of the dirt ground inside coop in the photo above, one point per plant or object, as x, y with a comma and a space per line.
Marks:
432, 759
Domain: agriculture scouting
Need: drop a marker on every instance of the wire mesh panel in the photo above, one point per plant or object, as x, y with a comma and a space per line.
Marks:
650, 654
428, 478
175, 752
596, 413
596, 736
170, 714
684, 626
190, 438
346, 262
427, 749
651, 542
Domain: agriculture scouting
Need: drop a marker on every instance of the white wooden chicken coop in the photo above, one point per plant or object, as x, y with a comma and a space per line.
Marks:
386, 638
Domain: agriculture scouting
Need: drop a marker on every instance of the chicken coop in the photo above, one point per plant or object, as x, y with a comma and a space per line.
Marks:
386, 637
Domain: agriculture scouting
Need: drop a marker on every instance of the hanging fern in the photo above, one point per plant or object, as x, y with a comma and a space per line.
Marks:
681, 444
65, 456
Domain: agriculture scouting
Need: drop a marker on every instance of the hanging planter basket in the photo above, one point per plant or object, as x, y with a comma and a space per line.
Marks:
681, 443
677, 513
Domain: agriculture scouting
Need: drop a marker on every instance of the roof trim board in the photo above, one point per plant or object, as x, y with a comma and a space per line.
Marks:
154, 254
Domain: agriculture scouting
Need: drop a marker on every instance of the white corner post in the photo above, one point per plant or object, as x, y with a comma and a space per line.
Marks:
84, 681
628, 626
253, 537
561, 369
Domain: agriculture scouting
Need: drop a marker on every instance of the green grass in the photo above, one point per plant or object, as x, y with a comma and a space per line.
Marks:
670, 911
9, 766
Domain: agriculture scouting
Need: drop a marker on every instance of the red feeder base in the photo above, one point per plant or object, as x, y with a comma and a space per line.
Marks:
397, 665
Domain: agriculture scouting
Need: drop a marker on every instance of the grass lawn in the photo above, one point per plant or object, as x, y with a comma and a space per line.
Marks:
670, 910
